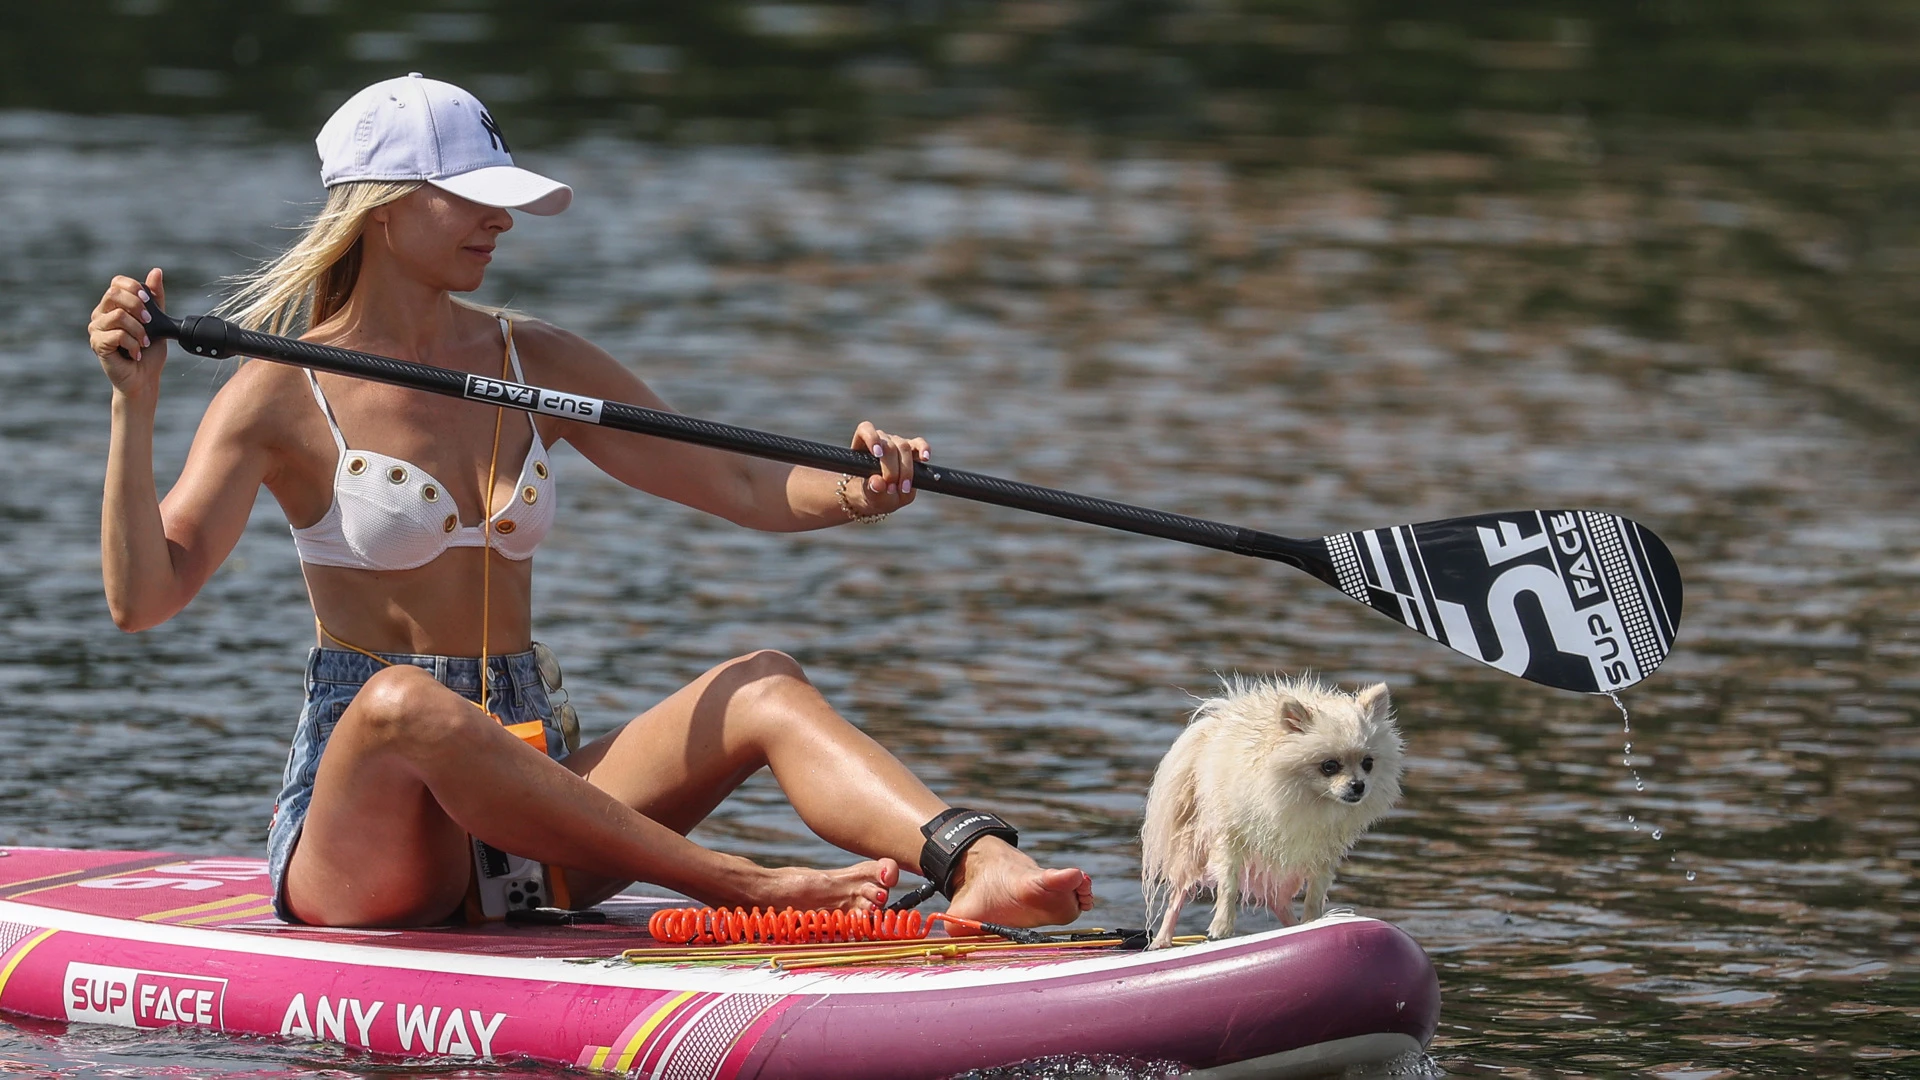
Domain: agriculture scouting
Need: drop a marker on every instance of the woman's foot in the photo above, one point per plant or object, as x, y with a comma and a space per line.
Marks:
998, 883
858, 887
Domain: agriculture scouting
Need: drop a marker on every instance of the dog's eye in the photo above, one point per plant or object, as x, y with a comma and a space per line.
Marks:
1329, 767
1366, 764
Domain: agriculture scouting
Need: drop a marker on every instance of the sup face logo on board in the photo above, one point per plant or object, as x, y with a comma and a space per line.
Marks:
98, 994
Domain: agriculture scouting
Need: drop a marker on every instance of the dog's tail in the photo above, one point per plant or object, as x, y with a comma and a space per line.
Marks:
1172, 857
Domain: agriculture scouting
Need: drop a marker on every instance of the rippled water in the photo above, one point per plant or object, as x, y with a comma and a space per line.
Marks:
1305, 351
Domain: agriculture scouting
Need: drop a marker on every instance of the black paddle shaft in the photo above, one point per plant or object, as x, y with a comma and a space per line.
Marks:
1576, 599
207, 335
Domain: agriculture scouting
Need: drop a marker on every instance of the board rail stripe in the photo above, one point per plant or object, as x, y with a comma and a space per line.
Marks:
20, 952
660, 1055
645, 1028
744, 1044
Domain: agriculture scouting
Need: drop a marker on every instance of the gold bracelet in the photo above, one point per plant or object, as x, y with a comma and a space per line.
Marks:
847, 506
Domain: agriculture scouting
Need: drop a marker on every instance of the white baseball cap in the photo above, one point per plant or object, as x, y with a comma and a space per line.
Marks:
416, 128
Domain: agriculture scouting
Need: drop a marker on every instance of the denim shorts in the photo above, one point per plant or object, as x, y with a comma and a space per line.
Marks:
515, 694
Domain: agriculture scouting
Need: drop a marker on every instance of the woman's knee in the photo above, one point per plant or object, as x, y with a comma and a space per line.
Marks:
767, 665
403, 705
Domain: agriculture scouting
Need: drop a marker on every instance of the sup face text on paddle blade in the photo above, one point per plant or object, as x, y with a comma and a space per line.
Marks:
1574, 599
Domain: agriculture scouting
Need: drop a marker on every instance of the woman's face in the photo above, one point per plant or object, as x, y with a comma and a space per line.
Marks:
438, 238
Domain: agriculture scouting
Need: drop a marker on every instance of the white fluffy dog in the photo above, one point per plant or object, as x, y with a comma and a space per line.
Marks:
1265, 790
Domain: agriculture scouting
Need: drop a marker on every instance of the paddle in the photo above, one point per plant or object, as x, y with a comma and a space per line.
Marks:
1574, 599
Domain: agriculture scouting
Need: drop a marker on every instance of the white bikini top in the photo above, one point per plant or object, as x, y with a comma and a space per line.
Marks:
389, 514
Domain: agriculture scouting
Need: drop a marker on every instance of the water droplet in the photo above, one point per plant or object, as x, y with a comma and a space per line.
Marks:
1639, 784
1689, 875
1629, 817
1656, 833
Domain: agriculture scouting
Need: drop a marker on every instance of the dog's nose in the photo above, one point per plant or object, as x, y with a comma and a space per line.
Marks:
1357, 791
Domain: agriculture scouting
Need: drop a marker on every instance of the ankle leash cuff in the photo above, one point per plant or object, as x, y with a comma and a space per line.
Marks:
948, 838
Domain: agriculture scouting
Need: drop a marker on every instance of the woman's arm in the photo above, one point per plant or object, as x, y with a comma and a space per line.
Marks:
753, 492
155, 556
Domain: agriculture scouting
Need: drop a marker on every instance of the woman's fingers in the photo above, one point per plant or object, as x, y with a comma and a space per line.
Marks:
117, 330
112, 329
127, 300
896, 455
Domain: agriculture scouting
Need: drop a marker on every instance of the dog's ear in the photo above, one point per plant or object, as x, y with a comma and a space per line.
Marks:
1294, 716
1375, 700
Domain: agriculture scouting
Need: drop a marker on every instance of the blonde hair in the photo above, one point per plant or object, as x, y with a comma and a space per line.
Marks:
310, 282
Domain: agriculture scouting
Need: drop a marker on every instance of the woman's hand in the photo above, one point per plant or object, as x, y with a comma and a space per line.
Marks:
119, 323
892, 487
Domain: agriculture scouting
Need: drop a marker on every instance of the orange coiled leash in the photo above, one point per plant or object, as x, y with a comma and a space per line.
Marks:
724, 926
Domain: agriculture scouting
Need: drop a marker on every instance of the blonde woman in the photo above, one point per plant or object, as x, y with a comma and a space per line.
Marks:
416, 517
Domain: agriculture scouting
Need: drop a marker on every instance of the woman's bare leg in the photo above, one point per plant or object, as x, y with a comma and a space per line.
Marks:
677, 761
412, 768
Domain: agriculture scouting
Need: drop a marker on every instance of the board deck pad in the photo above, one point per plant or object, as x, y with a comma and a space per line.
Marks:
153, 939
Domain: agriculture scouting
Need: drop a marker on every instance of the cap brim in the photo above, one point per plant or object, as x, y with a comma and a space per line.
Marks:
510, 187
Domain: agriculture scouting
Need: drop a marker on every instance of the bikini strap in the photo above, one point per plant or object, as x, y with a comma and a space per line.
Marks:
326, 410
513, 354
513, 358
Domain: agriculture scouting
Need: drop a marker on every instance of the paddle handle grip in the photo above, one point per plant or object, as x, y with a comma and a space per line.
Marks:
211, 336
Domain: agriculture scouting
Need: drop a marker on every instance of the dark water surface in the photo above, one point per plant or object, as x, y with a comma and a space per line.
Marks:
1342, 343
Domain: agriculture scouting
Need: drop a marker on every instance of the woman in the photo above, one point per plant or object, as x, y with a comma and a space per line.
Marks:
415, 518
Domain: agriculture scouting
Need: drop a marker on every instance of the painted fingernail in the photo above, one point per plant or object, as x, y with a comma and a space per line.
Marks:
873, 484
145, 315
879, 451
906, 486
145, 341
893, 489
926, 455
144, 296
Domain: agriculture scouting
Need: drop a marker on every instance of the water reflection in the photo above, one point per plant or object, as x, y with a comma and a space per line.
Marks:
1309, 350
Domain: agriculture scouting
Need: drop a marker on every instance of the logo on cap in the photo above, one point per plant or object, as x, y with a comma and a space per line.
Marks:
494, 136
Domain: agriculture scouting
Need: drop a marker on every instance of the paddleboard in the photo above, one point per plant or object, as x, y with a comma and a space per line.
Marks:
155, 940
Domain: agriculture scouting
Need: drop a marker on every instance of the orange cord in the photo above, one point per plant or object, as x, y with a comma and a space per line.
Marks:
723, 926
486, 533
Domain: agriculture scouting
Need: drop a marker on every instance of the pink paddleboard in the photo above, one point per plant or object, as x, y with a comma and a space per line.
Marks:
148, 940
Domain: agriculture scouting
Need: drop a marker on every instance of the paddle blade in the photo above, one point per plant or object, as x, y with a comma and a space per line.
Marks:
1572, 599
